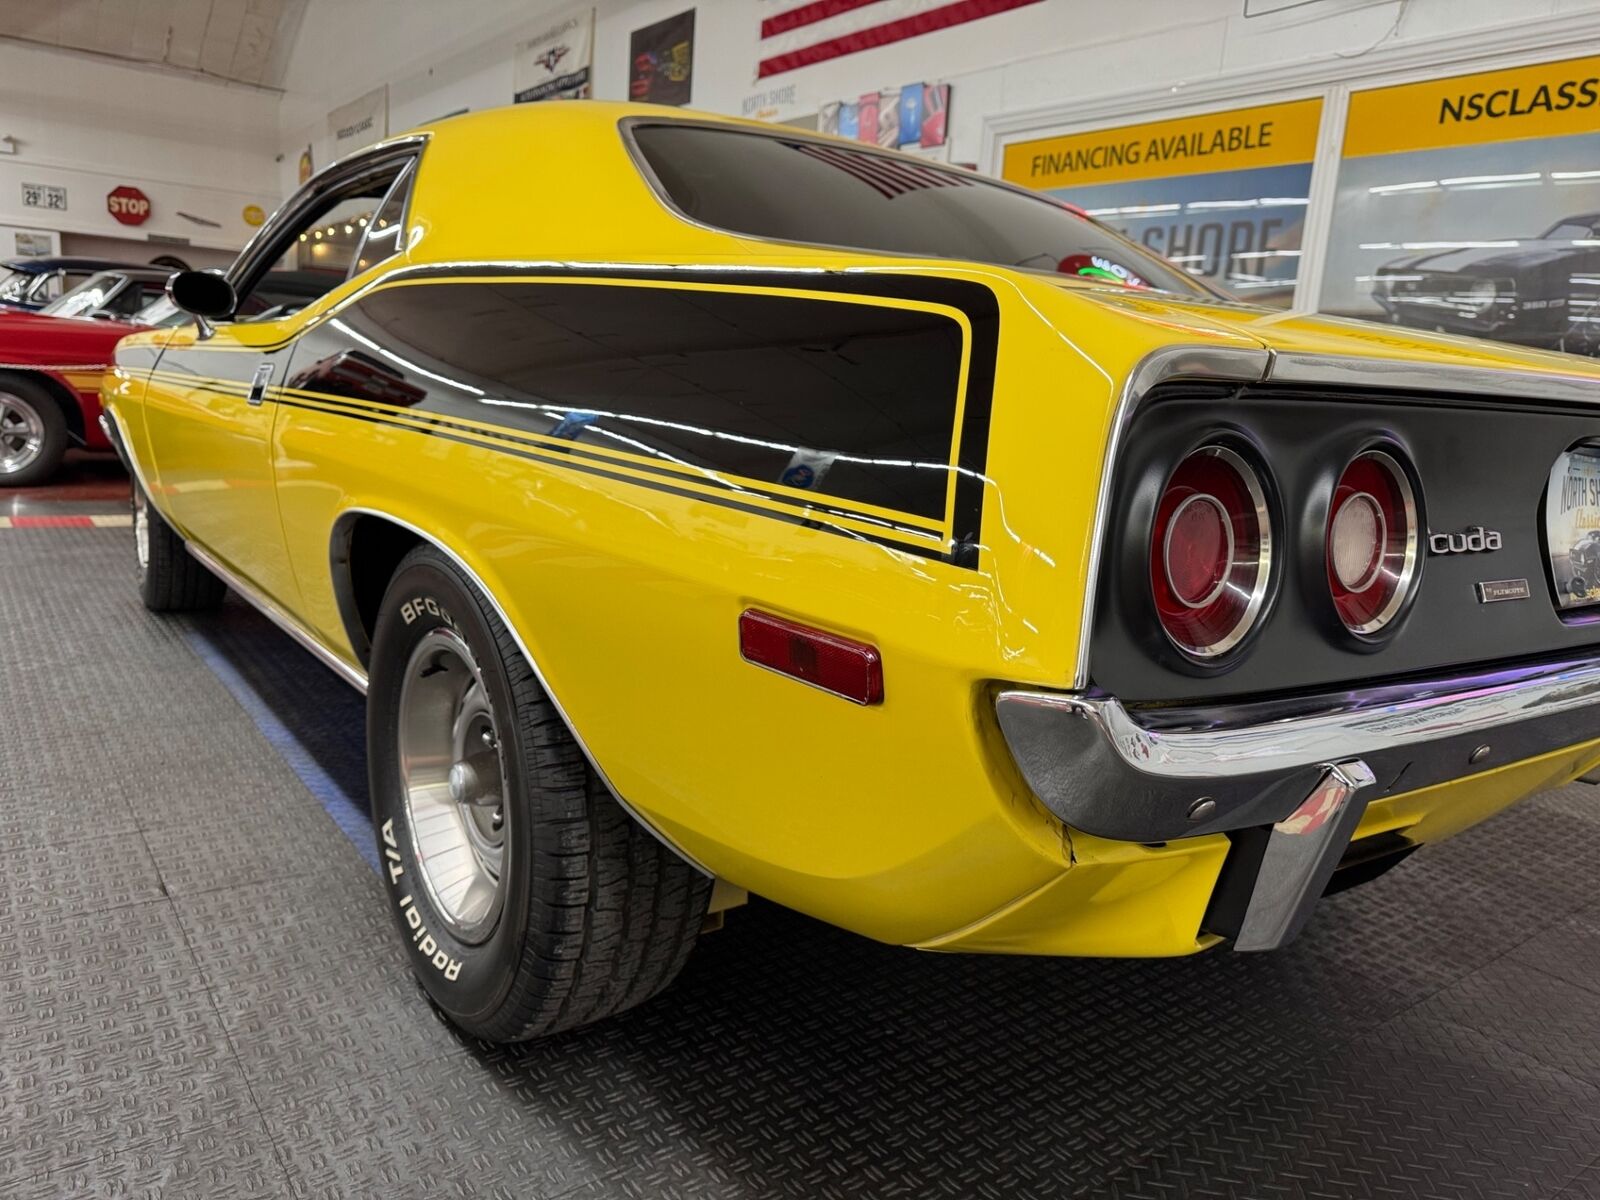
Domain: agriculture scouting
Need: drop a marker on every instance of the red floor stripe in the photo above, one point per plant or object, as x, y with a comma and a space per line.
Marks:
52, 522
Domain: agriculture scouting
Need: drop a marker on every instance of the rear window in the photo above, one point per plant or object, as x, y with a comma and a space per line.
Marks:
828, 194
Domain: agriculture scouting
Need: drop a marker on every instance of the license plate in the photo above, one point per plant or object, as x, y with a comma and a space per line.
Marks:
1572, 526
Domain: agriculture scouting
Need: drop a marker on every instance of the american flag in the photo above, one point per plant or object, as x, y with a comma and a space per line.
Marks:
799, 35
889, 177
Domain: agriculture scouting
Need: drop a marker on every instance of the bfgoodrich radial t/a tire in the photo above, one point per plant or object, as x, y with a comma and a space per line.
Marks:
528, 900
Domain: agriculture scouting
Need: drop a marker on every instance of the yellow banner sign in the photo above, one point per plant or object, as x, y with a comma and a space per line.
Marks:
1548, 100
1272, 135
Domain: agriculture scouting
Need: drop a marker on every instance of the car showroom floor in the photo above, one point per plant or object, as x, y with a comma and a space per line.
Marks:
201, 994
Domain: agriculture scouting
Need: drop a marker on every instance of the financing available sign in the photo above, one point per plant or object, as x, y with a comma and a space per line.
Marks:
556, 63
1272, 135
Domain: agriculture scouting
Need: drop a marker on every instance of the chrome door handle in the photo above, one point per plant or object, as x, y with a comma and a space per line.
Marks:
258, 386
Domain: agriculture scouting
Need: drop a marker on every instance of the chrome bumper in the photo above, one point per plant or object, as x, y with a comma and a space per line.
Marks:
1306, 768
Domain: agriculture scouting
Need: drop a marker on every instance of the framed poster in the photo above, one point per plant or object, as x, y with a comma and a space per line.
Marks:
556, 63
661, 61
1222, 195
1471, 205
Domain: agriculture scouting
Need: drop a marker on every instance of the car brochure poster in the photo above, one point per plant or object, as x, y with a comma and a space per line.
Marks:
556, 63
661, 61
896, 118
1222, 195
1469, 205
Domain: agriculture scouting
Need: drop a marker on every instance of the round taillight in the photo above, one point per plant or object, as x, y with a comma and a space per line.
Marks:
1371, 541
1211, 552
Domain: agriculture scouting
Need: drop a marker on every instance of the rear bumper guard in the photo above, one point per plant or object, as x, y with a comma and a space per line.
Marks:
1306, 769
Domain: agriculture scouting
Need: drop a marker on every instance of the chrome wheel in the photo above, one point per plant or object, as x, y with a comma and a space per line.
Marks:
454, 783
21, 434
141, 527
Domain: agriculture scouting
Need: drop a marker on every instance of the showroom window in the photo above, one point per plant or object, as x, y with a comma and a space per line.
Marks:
1469, 205
1223, 196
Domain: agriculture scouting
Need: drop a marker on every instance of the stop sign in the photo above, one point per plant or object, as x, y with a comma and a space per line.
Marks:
128, 205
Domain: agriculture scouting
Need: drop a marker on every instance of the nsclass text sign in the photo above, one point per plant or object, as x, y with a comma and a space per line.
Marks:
1547, 100
1266, 136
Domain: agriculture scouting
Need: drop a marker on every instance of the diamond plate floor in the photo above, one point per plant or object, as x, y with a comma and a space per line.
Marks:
200, 994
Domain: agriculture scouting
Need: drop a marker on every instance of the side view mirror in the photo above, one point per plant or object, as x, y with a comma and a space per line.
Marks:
202, 293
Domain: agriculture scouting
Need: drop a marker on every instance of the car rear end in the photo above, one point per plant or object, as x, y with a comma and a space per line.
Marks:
1333, 614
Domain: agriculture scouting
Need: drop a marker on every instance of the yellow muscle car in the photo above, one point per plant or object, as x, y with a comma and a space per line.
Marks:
710, 508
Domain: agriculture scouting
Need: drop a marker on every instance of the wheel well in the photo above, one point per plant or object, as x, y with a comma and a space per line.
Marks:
71, 410
365, 552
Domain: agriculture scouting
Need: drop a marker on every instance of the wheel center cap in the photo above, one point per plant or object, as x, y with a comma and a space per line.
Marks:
463, 780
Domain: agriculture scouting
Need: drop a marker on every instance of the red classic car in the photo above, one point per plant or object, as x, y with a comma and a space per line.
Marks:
50, 368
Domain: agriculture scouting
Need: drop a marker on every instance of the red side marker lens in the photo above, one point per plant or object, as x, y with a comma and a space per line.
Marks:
824, 660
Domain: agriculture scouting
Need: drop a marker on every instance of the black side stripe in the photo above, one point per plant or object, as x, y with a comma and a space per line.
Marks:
557, 459
975, 300
508, 434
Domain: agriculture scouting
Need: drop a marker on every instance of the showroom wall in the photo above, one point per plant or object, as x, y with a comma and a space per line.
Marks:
85, 126
437, 59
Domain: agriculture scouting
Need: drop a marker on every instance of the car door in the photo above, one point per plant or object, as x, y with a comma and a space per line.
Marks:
210, 405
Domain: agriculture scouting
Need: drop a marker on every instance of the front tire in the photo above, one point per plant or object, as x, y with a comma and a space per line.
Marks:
170, 578
529, 900
33, 433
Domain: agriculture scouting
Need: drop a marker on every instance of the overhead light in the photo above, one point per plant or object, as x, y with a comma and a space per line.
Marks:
319, 235
362, 222
1553, 174
1466, 180
349, 229
1417, 185
302, 237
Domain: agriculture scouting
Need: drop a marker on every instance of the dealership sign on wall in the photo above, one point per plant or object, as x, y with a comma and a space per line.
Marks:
556, 63
361, 122
128, 205
1223, 195
1471, 204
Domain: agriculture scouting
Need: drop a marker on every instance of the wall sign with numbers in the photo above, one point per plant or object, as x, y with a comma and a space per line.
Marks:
44, 195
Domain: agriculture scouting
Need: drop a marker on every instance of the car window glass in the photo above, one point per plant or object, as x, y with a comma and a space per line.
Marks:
385, 229
318, 251
132, 298
15, 285
89, 296
47, 287
830, 194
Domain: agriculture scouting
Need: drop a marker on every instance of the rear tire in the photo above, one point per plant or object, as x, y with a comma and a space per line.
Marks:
170, 578
33, 433
536, 903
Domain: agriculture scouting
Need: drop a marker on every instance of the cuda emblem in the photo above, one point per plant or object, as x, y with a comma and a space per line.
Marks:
1473, 540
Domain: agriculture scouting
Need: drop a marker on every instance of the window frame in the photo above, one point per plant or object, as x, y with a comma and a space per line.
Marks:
399, 156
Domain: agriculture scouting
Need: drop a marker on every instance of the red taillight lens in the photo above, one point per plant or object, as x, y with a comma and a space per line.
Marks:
824, 660
1371, 541
1211, 552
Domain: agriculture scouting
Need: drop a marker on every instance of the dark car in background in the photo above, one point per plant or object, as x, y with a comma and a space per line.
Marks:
31, 283
111, 295
1539, 291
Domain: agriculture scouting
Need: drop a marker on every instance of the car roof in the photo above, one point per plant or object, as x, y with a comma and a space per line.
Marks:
70, 262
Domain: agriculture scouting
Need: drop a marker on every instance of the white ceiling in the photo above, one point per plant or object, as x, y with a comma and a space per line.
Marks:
244, 41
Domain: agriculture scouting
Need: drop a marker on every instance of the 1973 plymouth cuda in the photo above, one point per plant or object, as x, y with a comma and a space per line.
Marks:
706, 506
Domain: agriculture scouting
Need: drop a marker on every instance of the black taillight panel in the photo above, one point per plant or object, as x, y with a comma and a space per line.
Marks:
1349, 467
